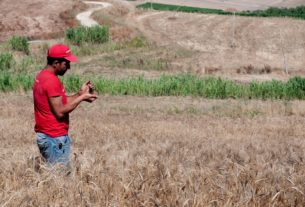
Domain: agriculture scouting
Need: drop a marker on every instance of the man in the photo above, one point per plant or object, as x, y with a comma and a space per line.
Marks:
52, 106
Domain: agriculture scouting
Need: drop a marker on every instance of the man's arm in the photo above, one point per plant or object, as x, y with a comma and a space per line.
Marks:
72, 97
60, 109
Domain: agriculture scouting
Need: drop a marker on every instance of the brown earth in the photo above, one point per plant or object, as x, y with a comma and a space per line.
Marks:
37, 19
240, 48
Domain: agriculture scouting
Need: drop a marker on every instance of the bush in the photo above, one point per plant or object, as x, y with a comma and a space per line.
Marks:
80, 35
138, 42
19, 44
6, 61
296, 87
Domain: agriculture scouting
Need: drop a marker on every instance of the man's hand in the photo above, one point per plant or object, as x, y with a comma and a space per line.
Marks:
88, 89
88, 97
88, 86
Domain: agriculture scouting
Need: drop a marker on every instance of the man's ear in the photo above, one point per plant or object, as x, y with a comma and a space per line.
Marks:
55, 63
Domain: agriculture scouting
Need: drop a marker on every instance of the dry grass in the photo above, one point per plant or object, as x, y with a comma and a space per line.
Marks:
115, 18
160, 152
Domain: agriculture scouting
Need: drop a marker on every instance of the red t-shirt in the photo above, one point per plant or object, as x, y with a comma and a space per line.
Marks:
47, 85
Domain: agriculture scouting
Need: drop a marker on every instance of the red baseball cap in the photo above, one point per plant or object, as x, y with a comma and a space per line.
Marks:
61, 51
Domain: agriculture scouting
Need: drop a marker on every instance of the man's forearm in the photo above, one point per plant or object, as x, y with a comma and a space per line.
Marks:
70, 106
72, 97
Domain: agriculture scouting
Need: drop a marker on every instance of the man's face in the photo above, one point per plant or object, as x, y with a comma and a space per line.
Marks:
62, 67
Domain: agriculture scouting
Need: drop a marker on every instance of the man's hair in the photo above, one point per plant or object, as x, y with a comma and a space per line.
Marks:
52, 59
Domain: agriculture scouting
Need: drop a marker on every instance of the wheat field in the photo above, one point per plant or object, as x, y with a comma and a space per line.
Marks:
159, 151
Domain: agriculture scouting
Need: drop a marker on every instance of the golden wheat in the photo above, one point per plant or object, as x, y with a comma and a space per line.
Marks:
163, 151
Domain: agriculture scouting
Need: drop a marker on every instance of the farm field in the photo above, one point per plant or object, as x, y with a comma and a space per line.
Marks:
163, 151
177, 150
236, 4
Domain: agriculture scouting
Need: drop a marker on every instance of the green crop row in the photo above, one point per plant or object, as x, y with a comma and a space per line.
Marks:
19, 43
168, 7
6, 61
298, 12
179, 85
96, 34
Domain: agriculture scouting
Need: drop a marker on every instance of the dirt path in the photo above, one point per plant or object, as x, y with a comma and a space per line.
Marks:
85, 17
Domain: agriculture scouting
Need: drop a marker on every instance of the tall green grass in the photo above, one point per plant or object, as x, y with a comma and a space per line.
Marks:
20, 44
297, 12
15, 82
168, 7
6, 61
179, 85
80, 35
110, 46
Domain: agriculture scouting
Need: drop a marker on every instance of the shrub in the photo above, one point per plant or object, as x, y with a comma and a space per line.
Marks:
6, 61
138, 42
296, 87
80, 35
20, 44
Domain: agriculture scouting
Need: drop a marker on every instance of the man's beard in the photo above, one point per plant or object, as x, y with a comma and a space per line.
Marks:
61, 73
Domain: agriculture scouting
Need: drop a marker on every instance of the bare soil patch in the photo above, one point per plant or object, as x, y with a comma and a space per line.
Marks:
37, 19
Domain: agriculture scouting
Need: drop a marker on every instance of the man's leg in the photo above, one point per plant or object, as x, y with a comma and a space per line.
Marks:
45, 147
62, 150
54, 150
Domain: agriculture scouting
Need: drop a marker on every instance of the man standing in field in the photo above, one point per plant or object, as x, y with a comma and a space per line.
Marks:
52, 106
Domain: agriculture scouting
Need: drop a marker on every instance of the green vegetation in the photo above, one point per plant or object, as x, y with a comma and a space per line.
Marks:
298, 12
82, 34
167, 7
180, 85
93, 49
6, 61
18, 82
19, 44
133, 61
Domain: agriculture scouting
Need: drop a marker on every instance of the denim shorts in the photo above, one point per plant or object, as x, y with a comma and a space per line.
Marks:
54, 150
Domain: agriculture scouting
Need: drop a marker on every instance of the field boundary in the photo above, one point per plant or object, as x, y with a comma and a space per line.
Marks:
178, 85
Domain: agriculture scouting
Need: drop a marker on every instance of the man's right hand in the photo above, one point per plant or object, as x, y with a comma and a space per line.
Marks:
87, 92
90, 97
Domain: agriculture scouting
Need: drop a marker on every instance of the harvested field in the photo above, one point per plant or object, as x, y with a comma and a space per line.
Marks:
168, 151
